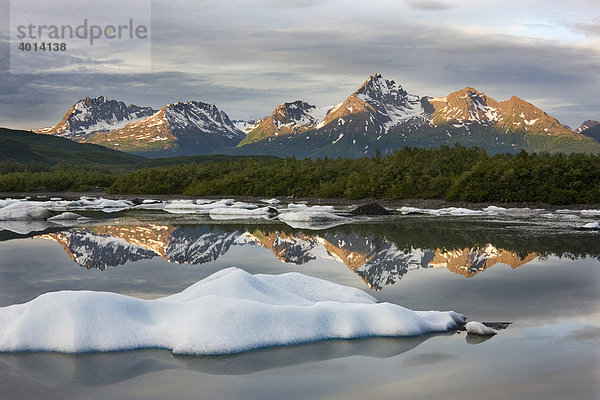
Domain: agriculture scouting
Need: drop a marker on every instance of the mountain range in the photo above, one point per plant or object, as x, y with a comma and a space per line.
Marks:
379, 116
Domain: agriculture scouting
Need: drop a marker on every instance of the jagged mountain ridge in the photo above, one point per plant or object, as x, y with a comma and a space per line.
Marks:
92, 115
288, 118
382, 116
188, 128
379, 116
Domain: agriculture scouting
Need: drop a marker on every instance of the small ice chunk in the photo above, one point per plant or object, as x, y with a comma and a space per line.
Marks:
68, 216
321, 208
234, 212
410, 210
309, 216
296, 205
591, 225
272, 201
477, 328
241, 204
590, 212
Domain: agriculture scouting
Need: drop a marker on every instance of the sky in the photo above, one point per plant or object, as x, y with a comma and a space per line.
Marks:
248, 56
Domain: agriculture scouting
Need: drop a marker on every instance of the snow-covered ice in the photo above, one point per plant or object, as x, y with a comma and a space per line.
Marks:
309, 218
296, 205
454, 211
591, 225
24, 211
231, 311
236, 213
477, 328
272, 201
68, 216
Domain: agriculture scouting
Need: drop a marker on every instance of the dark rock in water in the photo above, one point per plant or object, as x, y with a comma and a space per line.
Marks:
272, 211
370, 209
137, 201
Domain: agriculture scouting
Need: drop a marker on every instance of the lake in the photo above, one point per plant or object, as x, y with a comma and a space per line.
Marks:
534, 271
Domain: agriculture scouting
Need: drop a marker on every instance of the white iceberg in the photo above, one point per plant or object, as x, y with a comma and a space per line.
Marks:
68, 216
272, 201
7, 202
590, 213
477, 328
311, 219
236, 213
241, 204
321, 208
516, 212
559, 216
591, 225
198, 206
405, 210
24, 211
454, 211
296, 205
231, 311
464, 211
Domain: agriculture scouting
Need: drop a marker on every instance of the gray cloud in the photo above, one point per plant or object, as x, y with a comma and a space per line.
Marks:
429, 5
588, 29
249, 58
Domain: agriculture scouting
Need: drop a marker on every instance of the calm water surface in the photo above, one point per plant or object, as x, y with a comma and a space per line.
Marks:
541, 276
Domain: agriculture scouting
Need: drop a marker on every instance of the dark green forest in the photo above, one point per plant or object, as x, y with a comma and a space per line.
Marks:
451, 173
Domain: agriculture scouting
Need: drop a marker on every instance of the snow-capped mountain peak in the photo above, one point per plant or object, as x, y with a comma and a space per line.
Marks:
383, 103
183, 128
192, 115
92, 115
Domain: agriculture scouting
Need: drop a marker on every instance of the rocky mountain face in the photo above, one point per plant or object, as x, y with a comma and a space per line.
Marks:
379, 116
593, 132
288, 118
382, 116
375, 260
89, 116
590, 123
470, 107
189, 128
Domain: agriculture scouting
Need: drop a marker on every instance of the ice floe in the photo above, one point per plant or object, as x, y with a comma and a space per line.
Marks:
590, 213
455, 211
477, 328
296, 205
312, 219
24, 211
272, 201
236, 213
68, 217
231, 311
591, 225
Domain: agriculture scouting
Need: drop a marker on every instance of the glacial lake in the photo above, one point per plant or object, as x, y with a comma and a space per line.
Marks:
539, 273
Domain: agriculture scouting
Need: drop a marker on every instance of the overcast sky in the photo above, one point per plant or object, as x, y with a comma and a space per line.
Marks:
249, 56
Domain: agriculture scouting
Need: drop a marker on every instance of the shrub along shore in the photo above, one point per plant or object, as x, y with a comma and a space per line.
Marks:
456, 174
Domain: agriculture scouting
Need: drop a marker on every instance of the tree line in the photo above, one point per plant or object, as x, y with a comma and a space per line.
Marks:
451, 173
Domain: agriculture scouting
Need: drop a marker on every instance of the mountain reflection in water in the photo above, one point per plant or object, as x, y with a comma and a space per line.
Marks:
381, 254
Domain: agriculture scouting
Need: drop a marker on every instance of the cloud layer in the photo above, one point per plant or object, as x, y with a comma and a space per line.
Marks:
247, 57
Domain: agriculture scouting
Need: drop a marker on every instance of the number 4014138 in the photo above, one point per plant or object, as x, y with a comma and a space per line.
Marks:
44, 46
